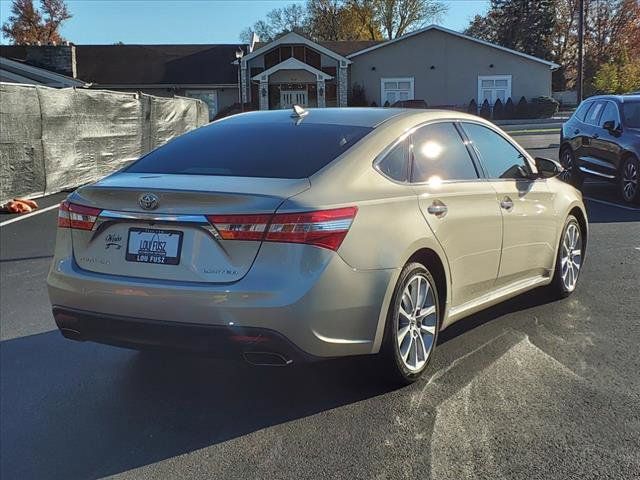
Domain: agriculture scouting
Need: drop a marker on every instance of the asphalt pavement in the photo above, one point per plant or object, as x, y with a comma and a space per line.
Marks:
529, 389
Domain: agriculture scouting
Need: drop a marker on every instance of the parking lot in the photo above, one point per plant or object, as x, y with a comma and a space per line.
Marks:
527, 389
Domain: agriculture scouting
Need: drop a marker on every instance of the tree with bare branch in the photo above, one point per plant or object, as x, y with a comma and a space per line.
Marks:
30, 25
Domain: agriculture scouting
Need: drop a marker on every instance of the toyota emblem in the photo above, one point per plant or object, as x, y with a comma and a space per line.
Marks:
148, 201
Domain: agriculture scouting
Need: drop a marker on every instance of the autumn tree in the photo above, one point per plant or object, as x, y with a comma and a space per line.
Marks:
290, 18
352, 19
30, 25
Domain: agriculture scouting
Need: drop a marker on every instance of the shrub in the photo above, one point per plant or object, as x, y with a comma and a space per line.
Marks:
498, 110
374, 104
473, 107
522, 109
386, 104
509, 109
485, 110
358, 96
543, 107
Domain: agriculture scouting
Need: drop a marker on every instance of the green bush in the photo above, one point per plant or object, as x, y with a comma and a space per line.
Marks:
509, 109
485, 110
522, 108
498, 110
543, 107
473, 107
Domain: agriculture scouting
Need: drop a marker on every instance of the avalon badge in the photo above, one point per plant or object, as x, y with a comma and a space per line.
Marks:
148, 201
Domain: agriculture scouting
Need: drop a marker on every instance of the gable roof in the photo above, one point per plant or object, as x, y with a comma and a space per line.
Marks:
19, 72
293, 64
551, 65
151, 64
341, 47
293, 37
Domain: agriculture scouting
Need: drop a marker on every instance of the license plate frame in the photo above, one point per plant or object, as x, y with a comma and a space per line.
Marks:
154, 257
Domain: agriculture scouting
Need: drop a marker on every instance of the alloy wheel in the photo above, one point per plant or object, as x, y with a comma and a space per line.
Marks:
571, 258
417, 322
629, 180
567, 163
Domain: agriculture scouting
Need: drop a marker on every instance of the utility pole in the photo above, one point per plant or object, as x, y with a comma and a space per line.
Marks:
580, 49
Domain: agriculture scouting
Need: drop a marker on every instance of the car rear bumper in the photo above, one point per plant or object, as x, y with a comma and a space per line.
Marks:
256, 345
307, 295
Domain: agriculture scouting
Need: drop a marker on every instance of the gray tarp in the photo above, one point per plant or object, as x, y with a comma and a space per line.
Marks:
54, 139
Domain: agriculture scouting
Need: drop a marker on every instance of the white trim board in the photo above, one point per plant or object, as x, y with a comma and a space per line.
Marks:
292, 64
551, 65
293, 38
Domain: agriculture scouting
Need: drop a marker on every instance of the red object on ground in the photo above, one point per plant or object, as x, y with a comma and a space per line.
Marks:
20, 205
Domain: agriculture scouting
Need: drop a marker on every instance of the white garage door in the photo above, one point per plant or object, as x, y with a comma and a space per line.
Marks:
493, 87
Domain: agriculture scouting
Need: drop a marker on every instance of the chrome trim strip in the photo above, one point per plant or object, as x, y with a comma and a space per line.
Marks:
598, 162
598, 174
156, 217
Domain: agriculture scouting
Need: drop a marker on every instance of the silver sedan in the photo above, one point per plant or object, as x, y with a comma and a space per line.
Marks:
287, 236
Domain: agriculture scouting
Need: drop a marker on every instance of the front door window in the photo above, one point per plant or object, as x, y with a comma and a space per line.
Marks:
289, 98
494, 87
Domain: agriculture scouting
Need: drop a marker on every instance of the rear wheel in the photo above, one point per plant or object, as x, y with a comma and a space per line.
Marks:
569, 260
629, 181
571, 173
412, 325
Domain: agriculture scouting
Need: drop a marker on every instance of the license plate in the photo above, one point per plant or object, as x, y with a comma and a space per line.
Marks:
149, 245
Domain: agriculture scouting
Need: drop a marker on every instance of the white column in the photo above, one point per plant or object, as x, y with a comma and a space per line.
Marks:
320, 93
243, 81
342, 84
263, 92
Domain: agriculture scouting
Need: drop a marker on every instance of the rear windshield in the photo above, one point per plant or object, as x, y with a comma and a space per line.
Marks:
631, 113
251, 149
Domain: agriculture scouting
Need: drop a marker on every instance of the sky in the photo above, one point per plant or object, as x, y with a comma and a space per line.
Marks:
188, 21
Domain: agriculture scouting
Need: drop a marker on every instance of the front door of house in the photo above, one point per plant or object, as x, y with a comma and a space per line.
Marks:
289, 98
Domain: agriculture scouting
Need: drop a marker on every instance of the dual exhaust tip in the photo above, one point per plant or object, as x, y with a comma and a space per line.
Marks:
266, 359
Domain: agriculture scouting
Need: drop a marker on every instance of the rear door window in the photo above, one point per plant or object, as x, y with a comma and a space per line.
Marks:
438, 151
280, 149
594, 113
610, 114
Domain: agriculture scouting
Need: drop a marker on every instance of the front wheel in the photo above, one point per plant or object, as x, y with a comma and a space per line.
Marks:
629, 186
412, 325
569, 260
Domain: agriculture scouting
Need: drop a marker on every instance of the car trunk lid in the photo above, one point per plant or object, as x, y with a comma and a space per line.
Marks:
156, 226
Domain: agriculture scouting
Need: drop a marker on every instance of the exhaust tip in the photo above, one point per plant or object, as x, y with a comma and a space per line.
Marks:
266, 359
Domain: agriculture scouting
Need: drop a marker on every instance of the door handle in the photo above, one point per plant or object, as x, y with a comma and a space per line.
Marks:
506, 203
438, 209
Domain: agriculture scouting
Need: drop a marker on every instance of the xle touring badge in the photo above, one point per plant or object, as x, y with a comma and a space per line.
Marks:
148, 201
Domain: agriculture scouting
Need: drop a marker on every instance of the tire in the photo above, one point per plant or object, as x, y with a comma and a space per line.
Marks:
572, 174
629, 180
571, 256
405, 361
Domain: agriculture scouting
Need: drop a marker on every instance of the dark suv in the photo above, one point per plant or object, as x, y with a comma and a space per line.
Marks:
602, 139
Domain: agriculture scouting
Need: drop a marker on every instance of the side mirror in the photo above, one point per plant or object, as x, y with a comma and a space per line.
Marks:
610, 126
548, 168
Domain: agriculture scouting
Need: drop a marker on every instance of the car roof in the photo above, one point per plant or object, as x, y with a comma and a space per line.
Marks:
371, 117
616, 98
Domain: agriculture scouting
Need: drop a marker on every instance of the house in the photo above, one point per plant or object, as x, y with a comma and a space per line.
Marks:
440, 66
12, 71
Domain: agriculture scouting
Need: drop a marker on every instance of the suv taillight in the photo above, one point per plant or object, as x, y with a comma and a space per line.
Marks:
78, 217
322, 228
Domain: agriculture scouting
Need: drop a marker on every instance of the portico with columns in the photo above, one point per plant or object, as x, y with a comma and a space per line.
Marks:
294, 70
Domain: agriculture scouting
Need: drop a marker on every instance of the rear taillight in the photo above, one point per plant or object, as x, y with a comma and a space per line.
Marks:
78, 217
240, 227
322, 228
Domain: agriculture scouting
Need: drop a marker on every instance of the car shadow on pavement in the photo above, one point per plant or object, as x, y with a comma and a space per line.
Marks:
75, 410
81, 410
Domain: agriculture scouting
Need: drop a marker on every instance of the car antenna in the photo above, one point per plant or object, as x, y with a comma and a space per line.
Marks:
299, 112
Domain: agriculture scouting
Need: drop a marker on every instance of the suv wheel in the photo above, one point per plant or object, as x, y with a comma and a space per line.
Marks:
571, 173
629, 180
412, 325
